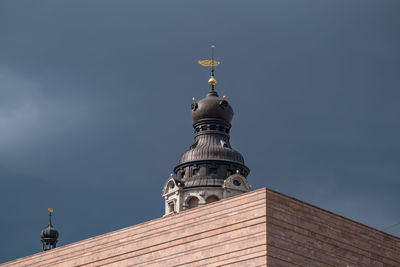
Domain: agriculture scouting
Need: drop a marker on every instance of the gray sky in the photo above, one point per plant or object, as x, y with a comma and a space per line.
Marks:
95, 106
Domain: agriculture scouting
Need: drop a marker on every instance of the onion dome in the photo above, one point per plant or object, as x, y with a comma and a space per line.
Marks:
49, 233
212, 107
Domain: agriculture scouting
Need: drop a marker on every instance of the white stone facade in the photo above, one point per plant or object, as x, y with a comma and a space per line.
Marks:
178, 198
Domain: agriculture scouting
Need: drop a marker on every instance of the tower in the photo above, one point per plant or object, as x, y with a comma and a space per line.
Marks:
210, 169
49, 234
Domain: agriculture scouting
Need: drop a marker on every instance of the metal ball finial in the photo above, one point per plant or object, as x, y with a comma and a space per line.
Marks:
212, 81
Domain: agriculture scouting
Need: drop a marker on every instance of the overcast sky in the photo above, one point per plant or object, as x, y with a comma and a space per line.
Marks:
95, 106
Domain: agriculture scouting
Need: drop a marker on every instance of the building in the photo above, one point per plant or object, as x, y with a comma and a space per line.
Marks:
212, 218
257, 228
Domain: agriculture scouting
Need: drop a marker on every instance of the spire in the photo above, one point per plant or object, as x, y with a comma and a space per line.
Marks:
211, 63
50, 212
212, 80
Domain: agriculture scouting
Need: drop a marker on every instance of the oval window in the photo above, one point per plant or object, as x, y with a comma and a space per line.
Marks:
236, 182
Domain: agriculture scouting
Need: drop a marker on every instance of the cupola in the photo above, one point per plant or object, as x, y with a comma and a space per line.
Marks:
49, 234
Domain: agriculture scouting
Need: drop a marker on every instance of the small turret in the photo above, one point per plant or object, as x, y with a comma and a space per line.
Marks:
49, 235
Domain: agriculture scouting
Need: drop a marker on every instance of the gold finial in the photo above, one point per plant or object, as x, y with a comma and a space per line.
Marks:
212, 81
179, 184
50, 210
237, 171
171, 175
194, 99
224, 97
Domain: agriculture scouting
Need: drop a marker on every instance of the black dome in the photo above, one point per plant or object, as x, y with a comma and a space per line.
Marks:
49, 232
211, 107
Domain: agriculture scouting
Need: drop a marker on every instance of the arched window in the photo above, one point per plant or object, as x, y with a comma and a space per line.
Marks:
192, 202
211, 199
171, 207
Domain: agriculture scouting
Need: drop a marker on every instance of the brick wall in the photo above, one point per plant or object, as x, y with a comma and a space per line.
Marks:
299, 234
259, 228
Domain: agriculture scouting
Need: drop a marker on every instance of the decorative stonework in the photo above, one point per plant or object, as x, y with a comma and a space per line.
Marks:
177, 198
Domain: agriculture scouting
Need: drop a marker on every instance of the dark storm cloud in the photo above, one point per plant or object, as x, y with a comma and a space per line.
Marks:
95, 95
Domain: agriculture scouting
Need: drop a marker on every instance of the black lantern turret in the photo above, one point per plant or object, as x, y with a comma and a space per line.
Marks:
49, 235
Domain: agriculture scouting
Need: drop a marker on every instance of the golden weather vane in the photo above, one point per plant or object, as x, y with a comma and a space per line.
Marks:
210, 63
